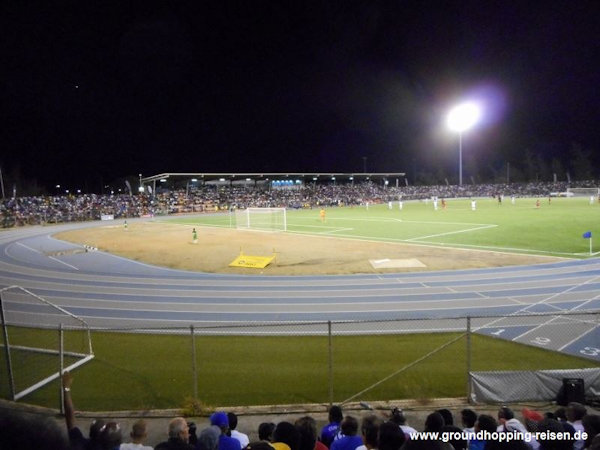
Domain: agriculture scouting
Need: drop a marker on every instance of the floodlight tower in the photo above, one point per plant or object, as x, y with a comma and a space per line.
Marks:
460, 119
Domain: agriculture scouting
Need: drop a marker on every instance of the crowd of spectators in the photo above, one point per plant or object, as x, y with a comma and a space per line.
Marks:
38, 210
567, 428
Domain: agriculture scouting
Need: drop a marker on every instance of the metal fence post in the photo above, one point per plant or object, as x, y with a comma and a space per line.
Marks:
9, 373
330, 363
468, 359
194, 367
61, 369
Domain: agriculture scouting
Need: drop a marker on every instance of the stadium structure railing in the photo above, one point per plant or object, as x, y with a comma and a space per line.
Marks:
325, 361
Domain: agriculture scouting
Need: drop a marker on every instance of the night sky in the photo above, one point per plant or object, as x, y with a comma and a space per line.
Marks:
95, 91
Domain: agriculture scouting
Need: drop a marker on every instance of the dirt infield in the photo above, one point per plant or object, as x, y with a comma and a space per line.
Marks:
170, 245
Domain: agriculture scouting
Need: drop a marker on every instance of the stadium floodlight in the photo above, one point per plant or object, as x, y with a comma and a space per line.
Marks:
460, 119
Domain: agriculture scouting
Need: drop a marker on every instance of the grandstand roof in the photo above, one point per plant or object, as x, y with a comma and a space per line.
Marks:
304, 176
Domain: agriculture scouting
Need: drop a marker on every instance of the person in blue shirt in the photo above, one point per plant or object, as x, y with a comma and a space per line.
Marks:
329, 431
347, 439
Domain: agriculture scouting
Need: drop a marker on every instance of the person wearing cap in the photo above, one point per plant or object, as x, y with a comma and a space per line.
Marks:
531, 419
226, 442
179, 435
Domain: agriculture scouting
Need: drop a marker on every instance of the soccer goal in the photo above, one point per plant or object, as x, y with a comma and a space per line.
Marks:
583, 192
40, 340
264, 219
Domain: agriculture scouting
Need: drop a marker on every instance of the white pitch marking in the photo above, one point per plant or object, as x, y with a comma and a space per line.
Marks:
62, 262
452, 232
336, 230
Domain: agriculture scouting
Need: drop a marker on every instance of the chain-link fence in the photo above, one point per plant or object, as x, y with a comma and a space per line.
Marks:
315, 362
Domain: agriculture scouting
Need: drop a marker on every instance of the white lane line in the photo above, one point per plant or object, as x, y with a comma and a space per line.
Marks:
577, 338
62, 262
555, 317
29, 248
535, 328
543, 301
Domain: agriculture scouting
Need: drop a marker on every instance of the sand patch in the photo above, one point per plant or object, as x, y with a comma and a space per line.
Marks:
170, 245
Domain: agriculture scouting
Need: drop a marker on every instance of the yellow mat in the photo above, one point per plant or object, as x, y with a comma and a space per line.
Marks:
252, 262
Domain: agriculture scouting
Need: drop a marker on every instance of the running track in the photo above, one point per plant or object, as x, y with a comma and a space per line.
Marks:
110, 291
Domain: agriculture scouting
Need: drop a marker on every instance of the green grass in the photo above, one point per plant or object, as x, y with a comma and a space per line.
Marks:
132, 371
553, 229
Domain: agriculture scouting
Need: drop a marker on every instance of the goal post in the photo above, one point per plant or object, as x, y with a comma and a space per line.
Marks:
40, 340
263, 219
583, 192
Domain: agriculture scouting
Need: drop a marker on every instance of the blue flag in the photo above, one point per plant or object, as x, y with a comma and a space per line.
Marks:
587, 235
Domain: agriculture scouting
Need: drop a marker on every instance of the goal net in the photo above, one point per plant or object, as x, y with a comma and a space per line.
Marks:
583, 192
39, 341
265, 219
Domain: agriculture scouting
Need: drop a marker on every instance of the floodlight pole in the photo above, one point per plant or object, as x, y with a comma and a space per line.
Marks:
460, 158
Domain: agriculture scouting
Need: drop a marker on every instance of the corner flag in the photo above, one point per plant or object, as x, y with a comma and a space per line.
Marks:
588, 235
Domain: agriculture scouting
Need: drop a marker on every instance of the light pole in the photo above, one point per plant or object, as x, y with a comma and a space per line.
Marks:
460, 119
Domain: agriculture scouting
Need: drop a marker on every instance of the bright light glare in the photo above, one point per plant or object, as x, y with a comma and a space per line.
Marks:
463, 117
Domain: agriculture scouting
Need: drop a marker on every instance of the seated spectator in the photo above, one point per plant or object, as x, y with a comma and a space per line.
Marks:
591, 425
285, 437
447, 415
575, 412
24, 431
179, 435
307, 427
553, 426
110, 436
329, 431
209, 438
433, 424
457, 443
468, 419
226, 442
265, 431
348, 439
138, 435
507, 421
369, 430
561, 415
399, 419
241, 437
260, 445
531, 420
484, 423
77, 440
391, 437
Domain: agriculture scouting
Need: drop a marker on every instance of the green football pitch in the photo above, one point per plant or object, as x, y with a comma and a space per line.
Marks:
554, 228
